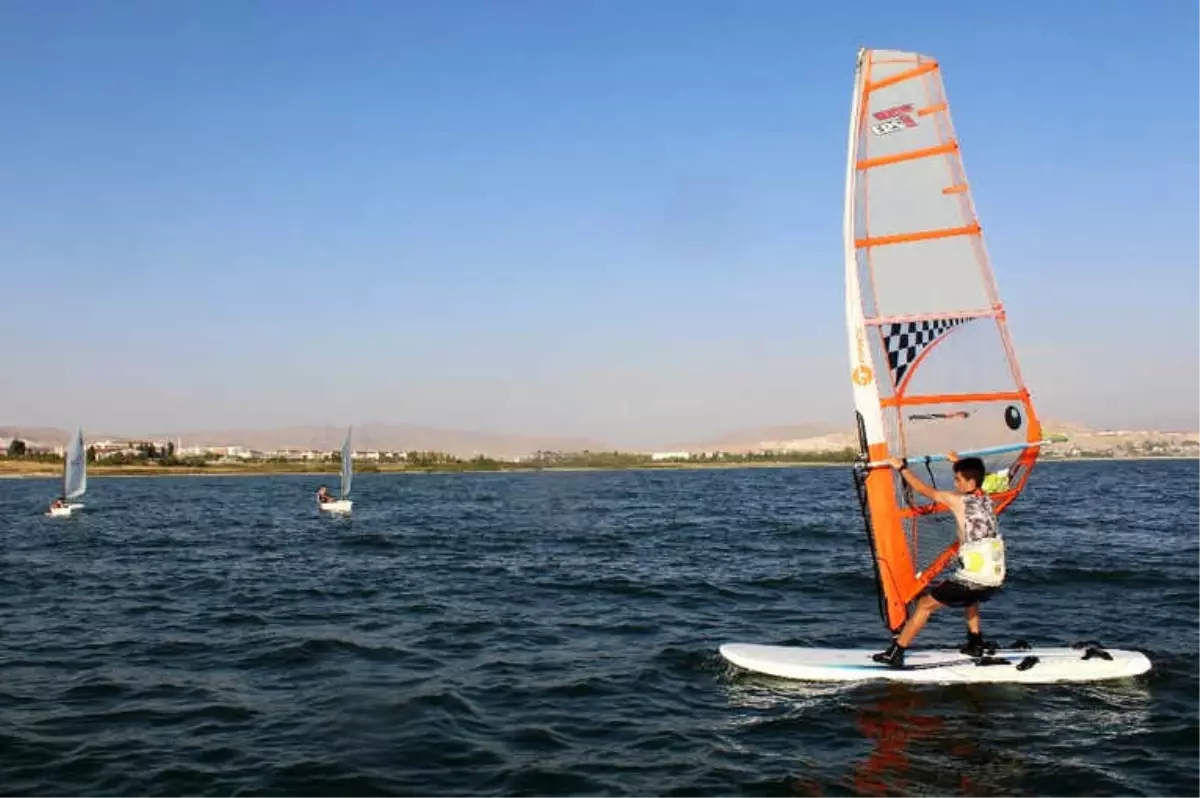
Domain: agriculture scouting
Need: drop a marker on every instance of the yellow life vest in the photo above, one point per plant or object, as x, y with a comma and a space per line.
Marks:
996, 482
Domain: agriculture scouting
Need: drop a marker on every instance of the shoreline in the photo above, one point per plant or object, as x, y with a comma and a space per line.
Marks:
218, 471
53, 470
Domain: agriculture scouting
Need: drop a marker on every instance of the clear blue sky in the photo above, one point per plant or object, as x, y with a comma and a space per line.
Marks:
601, 217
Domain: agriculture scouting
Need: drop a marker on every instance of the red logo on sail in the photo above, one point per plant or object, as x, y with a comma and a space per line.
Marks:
892, 120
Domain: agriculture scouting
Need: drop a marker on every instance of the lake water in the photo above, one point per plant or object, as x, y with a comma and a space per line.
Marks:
556, 633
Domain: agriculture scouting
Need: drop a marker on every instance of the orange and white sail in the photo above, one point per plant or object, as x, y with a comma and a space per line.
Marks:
931, 363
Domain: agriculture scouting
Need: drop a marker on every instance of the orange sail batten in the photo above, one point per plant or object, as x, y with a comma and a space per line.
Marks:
911, 155
921, 235
909, 74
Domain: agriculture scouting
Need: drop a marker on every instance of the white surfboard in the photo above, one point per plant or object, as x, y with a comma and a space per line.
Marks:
939, 666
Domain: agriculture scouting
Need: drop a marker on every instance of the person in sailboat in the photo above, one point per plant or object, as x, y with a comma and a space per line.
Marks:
57, 504
323, 496
981, 557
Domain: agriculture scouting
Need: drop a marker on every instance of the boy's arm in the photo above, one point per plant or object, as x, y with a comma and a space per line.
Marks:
947, 498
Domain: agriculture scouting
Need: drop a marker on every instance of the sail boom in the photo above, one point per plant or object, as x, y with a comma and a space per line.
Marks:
984, 452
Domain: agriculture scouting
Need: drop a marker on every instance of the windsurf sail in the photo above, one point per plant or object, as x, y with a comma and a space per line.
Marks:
75, 467
931, 363
347, 465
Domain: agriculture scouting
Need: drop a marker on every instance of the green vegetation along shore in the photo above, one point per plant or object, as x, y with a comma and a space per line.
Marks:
415, 462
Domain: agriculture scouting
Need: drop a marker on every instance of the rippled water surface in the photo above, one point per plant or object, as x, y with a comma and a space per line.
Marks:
557, 634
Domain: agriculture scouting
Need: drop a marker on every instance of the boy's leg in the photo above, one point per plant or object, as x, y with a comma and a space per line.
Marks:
894, 656
925, 607
973, 619
975, 646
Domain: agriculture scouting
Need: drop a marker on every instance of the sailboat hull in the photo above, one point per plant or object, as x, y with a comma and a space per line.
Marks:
64, 512
342, 506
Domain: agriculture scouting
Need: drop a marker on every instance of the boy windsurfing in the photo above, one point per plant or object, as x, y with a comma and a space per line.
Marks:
980, 552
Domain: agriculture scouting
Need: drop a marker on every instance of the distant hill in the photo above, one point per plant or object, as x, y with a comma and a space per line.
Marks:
467, 443
798, 437
827, 437
388, 437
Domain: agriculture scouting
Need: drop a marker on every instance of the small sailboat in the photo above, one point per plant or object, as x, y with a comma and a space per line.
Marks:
343, 504
74, 477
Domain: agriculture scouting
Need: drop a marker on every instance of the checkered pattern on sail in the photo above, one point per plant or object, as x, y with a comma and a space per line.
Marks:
906, 340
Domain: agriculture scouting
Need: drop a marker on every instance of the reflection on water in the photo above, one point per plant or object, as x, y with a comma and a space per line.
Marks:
938, 739
892, 723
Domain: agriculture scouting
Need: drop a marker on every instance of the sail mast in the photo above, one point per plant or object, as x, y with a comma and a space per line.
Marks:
889, 554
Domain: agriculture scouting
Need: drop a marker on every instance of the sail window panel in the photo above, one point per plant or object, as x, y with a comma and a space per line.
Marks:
969, 425
933, 276
906, 198
928, 535
893, 431
948, 356
959, 427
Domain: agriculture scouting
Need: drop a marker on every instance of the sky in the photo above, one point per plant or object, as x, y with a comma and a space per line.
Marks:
608, 218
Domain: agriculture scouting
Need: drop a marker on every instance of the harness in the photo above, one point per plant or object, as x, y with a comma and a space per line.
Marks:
981, 553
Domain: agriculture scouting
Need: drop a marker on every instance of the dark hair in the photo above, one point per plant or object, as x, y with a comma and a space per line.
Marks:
971, 468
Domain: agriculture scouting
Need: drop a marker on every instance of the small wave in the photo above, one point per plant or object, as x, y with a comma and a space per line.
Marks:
317, 650
369, 541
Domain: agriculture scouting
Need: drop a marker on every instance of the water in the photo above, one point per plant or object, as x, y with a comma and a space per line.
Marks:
520, 634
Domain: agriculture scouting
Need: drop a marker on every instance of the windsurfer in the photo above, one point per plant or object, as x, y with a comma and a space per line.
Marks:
981, 554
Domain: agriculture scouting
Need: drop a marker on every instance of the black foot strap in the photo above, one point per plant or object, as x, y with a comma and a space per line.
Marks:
1097, 652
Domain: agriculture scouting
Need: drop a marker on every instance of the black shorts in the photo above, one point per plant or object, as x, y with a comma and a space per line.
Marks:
956, 594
